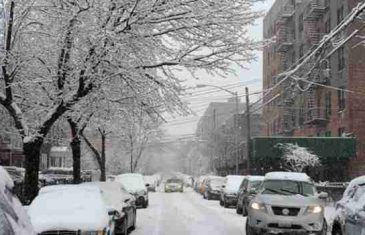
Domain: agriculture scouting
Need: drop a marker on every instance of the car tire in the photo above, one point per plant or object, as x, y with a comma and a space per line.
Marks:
220, 202
145, 204
225, 204
238, 209
336, 230
244, 211
134, 221
249, 229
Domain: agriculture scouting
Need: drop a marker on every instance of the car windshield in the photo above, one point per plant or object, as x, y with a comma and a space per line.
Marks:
254, 185
132, 183
287, 187
174, 181
216, 182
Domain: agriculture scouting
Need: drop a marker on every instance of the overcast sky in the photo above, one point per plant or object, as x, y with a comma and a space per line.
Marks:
184, 127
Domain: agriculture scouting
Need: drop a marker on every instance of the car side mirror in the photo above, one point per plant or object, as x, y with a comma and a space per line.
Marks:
112, 212
147, 185
323, 195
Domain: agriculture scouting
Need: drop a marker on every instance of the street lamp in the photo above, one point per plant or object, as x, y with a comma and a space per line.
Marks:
235, 94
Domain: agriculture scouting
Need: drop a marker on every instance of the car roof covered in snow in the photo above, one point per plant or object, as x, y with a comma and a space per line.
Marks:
255, 178
353, 183
294, 176
76, 207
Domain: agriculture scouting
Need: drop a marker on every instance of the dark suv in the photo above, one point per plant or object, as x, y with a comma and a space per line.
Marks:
246, 192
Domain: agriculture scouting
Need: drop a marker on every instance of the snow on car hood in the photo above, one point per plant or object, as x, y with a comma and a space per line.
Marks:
288, 201
233, 184
69, 209
133, 183
13, 218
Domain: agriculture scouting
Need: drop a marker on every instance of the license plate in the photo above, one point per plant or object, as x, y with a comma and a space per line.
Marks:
284, 225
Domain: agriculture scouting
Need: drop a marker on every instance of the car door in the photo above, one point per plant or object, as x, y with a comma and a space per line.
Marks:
245, 192
241, 193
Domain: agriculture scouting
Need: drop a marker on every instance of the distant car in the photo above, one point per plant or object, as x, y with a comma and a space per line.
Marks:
71, 209
246, 192
13, 218
350, 210
229, 190
213, 186
287, 203
56, 175
135, 185
151, 181
174, 185
117, 199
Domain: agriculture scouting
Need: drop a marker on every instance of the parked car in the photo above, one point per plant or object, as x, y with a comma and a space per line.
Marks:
174, 185
287, 203
56, 175
122, 202
350, 210
71, 209
13, 218
246, 193
151, 181
213, 185
229, 190
135, 185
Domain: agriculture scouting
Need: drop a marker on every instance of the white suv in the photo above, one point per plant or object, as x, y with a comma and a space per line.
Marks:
286, 203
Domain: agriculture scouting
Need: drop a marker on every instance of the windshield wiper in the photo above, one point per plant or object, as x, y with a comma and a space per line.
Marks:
274, 191
294, 193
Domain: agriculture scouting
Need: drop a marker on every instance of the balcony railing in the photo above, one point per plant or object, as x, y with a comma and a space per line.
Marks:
316, 116
315, 9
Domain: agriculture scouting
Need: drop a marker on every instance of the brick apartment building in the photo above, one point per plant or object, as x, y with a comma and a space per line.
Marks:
315, 111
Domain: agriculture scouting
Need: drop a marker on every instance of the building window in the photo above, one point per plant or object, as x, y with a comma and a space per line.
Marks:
301, 51
339, 15
341, 131
328, 25
301, 22
341, 58
341, 99
328, 104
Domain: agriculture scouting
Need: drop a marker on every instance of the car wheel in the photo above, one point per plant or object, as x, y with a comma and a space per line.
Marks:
336, 230
238, 209
134, 221
249, 229
244, 211
225, 204
220, 202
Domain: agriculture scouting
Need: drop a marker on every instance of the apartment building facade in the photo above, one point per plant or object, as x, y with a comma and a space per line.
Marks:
334, 104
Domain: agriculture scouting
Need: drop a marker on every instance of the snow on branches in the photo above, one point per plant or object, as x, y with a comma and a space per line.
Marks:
297, 158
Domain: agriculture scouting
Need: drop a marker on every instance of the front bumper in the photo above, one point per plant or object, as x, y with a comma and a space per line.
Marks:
268, 222
214, 194
231, 200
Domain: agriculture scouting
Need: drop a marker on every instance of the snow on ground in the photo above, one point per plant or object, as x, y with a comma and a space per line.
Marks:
187, 214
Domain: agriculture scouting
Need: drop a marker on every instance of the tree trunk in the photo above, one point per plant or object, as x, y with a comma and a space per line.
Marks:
32, 152
76, 151
102, 166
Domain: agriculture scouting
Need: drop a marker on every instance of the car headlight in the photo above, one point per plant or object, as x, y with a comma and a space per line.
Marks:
314, 209
258, 206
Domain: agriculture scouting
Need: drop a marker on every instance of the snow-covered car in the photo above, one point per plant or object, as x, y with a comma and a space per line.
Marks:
174, 185
135, 185
230, 187
71, 209
13, 217
212, 185
124, 205
247, 192
287, 203
151, 181
350, 210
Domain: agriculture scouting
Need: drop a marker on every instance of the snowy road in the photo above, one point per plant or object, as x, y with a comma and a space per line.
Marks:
186, 213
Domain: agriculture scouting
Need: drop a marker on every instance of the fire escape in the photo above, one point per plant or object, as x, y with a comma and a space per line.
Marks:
315, 115
313, 13
285, 45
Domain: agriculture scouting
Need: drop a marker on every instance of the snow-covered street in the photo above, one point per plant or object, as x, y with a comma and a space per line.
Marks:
187, 213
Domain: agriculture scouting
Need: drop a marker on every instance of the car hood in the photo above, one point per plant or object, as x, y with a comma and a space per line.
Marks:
289, 201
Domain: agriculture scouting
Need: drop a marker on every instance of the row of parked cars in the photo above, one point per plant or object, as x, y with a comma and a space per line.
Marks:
283, 202
92, 208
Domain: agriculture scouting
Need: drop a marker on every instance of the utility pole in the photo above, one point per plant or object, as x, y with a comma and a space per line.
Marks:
248, 137
236, 142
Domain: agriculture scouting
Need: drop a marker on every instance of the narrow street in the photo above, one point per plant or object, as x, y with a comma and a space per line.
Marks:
187, 213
